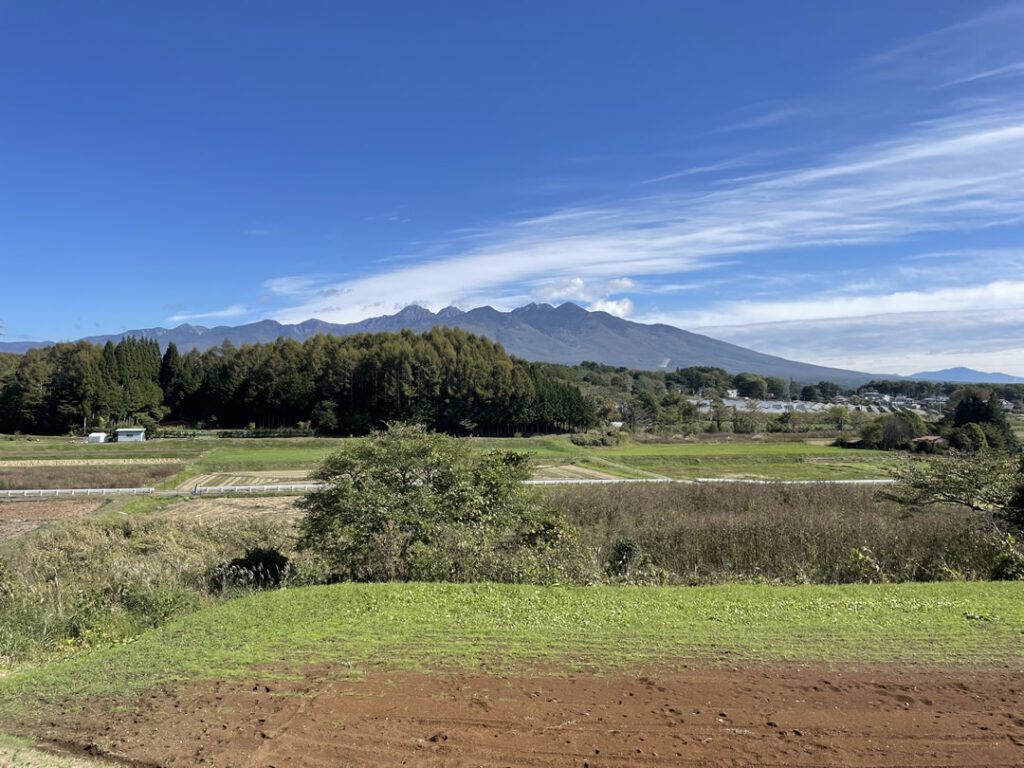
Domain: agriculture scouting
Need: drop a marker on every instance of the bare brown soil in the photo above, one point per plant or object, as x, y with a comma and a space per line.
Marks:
768, 716
20, 517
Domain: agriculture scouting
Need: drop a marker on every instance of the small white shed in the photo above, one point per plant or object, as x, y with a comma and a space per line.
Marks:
96, 437
131, 434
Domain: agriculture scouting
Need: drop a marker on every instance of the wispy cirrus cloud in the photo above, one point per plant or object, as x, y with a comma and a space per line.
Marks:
1016, 69
984, 47
995, 295
235, 310
958, 173
744, 160
766, 119
901, 343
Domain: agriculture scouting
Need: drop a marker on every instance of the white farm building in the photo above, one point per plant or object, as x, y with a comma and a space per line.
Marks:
96, 437
130, 434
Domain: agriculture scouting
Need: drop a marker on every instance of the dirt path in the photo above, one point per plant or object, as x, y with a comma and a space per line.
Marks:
765, 716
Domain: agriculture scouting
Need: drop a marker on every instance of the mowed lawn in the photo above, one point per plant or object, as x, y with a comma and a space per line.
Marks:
359, 627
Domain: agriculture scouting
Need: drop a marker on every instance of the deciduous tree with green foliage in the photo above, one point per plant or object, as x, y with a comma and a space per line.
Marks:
406, 504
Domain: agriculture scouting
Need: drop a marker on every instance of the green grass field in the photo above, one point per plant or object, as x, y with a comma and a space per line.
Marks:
755, 459
64, 448
768, 460
517, 628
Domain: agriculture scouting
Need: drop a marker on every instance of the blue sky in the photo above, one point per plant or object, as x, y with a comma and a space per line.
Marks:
840, 183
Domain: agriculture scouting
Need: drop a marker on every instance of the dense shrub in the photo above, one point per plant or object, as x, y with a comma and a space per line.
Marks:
258, 568
411, 505
597, 438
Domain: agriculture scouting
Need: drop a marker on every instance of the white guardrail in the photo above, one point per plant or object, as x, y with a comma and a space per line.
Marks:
598, 481
201, 490
221, 490
35, 493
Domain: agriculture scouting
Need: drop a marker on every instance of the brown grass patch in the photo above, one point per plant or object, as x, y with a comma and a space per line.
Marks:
214, 509
74, 475
20, 517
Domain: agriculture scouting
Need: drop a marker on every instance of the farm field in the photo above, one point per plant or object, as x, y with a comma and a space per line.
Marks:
767, 460
214, 508
182, 464
432, 674
275, 477
99, 473
20, 517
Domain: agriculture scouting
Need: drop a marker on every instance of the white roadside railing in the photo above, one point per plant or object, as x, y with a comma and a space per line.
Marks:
205, 490
757, 481
296, 488
44, 492
597, 480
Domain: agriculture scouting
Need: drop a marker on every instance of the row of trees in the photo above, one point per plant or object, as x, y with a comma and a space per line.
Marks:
445, 378
706, 381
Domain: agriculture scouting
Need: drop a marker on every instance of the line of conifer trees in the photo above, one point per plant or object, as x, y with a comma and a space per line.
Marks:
445, 378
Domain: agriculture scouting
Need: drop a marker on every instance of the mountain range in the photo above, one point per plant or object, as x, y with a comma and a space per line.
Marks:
564, 334
967, 376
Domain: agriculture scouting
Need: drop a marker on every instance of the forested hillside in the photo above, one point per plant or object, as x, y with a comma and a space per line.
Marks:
445, 378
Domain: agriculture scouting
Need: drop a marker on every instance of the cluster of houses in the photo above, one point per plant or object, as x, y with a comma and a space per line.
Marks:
121, 435
866, 405
867, 402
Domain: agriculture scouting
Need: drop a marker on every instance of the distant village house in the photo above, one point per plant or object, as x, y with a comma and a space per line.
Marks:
130, 434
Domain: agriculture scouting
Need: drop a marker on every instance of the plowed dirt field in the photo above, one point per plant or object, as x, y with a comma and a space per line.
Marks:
764, 716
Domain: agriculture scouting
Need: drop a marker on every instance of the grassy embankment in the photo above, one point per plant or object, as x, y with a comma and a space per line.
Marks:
105, 579
514, 628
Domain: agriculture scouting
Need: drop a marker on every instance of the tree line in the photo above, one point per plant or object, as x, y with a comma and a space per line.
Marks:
446, 378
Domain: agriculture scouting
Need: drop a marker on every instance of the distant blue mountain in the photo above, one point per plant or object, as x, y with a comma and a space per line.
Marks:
564, 334
967, 376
